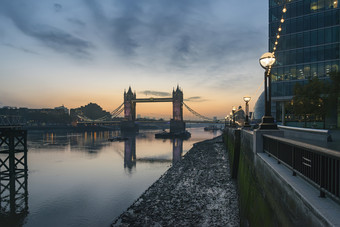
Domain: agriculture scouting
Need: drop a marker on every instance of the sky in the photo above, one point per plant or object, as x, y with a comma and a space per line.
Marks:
62, 52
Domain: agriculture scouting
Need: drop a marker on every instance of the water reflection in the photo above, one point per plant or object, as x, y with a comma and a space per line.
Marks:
130, 151
75, 168
13, 188
177, 150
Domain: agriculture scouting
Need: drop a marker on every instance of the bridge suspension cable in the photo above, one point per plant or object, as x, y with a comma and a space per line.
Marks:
84, 118
117, 113
117, 109
196, 113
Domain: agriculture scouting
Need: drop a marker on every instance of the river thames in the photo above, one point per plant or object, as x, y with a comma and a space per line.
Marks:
82, 179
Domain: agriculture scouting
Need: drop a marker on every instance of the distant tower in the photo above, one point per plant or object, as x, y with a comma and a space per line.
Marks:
129, 105
177, 103
176, 123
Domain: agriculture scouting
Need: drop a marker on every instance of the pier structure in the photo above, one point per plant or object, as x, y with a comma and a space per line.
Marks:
13, 175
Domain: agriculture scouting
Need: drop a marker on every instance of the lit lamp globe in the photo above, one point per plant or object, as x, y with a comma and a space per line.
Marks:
267, 60
246, 99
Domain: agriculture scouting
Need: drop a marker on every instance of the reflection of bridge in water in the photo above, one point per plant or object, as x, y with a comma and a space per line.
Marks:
13, 177
130, 152
128, 123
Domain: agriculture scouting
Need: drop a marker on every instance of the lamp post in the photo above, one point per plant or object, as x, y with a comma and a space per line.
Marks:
266, 61
247, 99
230, 117
225, 121
233, 111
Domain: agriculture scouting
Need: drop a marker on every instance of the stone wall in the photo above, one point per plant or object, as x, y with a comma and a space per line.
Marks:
266, 199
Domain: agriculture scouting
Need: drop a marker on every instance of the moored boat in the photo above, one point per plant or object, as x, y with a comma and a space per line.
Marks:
169, 135
117, 138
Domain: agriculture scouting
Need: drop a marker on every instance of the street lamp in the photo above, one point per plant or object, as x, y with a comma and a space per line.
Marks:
266, 61
225, 120
247, 99
233, 111
230, 117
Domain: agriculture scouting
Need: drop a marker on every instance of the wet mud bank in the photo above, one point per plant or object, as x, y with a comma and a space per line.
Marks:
196, 191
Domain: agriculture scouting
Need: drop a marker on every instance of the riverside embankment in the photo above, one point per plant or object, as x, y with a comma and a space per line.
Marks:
196, 191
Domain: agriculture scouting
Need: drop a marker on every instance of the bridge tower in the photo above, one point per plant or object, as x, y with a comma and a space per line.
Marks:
129, 105
129, 111
177, 124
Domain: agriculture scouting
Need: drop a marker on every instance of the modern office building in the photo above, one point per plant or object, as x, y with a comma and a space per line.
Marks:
308, 47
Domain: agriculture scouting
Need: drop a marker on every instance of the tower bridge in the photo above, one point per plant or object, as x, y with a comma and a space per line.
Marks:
176, 123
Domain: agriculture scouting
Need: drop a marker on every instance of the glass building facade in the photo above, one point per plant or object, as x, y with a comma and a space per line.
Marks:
308, 45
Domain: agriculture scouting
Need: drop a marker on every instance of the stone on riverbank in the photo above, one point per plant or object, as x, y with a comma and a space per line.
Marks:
196, 191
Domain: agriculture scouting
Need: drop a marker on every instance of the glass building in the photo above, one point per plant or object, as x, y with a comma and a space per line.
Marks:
308, 47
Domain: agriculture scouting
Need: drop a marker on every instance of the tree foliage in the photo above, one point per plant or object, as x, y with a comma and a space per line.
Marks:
93, 111
310, 99
334, 87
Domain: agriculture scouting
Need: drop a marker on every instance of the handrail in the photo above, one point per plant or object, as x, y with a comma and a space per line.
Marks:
319, 166
307, 146
304, 129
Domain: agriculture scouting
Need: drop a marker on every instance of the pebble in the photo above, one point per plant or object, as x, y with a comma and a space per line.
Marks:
198, 191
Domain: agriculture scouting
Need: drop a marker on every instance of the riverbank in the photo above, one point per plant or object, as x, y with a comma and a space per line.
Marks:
195, 191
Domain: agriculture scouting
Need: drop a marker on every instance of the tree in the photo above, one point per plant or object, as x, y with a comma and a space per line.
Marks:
92, 111
310, 99
334, 93
334, 88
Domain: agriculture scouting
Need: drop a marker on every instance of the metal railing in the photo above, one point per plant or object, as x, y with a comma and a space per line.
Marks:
320, 166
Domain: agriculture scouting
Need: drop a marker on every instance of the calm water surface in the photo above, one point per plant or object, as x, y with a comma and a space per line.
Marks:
84, 180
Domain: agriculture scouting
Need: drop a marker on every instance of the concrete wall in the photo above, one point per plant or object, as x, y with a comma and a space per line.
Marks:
266, 199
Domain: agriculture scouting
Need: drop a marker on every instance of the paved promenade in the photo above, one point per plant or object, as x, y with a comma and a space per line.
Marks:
197, 191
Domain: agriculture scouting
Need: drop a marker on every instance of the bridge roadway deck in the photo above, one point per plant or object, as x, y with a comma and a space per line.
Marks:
153, 100
197, 191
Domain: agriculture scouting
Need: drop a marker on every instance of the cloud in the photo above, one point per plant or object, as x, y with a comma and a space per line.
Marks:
155, 93
51, 36
76, 22
21, 49
179, 34
57, 7
191, 37
195, 99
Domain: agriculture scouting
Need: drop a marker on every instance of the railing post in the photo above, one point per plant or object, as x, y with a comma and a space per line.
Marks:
265, 142
322, 176
293, 160
277, 152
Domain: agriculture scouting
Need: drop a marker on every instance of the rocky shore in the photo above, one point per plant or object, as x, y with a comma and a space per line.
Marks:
197, 191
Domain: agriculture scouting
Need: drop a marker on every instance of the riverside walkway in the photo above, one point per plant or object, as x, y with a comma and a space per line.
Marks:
197, 191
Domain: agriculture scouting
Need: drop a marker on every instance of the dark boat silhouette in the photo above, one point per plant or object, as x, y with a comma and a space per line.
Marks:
117, 138
169, 135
